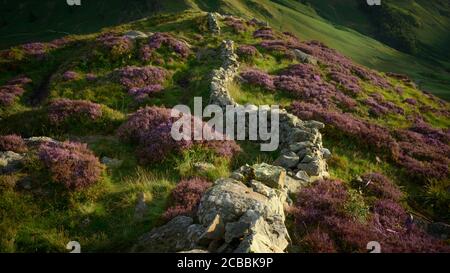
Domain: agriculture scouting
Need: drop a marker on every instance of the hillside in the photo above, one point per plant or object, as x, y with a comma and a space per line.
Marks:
108, 171
343, 27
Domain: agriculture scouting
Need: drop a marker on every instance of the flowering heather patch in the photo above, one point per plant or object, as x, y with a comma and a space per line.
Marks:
304, 71
118, 45
71, 164
371, 133
312, 89
320, 214
60, 110
371, 76
35, 49
13, 143
133, 76
70, 75
238, 25
150, 129
339, 62
158, 40
377, 185
423, 155
247, 51
8, 93
265, 33
91, 77
158, 143
186, 197
259, 78
410, 101
348, 82
142, 93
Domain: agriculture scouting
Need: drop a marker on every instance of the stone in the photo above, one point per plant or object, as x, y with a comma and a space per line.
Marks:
314, 124
302, 175
203, 167
171, 237
215, 230
36, 141
263, 236
289, 160
141, 207
135, 34
311, 168
326, 153
307, 159
304, 57
10, 162
294, 184
232, 200
111, 162
298, 146
272, 176
304, 152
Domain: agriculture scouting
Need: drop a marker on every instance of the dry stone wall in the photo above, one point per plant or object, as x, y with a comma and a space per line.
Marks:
244, 213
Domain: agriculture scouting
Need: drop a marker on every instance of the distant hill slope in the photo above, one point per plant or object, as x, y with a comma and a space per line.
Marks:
342, 29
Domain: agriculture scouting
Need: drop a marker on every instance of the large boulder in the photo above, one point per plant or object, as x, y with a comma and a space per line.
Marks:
172, 237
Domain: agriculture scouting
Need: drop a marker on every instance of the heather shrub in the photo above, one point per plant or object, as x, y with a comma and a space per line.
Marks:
13, 89
258, 78
142, 81
60, 110
71, 164
158, 40
186, 197
70, 75
8, 93
317, 241
116, 44
238, 25
247, 52
379, 186
13, 143
150, 128
325, 224
265, 33
375, 135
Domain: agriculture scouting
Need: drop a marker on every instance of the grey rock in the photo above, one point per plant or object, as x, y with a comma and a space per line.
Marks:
135, 34
311, 168
203, 167
302, 175
298, 146
288, 160
141, 207
272, 176
171, 237
304, 57
326, 153
111, 162
307, 159
10, 162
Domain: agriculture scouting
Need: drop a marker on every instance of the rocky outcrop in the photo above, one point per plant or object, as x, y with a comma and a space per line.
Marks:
241, 214
213, 23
